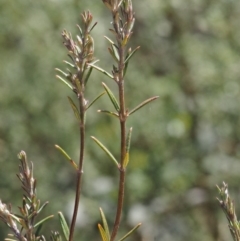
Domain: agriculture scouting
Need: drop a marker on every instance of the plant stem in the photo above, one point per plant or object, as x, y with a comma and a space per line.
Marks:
122, 119
120, 204
80, 166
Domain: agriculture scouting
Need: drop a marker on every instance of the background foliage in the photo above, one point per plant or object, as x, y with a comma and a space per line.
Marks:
183, 144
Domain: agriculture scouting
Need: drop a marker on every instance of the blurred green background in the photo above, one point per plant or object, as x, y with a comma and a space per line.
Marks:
183, 144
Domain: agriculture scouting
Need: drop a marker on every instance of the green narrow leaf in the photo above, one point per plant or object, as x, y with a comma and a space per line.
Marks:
109, 112
70, 64
105, 225
120, 3
126, 160
77, 51
64, 81
115, 51
88, 75
62, 72
112, 97
130, 232
101, 70
67, 156
110, 50
77, 84
23, 224
39, 228
80, 30
42, 207
103, 233
43, 220
113, 31
126, 64
64, 225
71, 57
94, 62
106, 150
79, 42
125, 69
91, 103
142, 104
128, 141
129, 136
109, 40
15, 217
131, 54
93, 27
75, 109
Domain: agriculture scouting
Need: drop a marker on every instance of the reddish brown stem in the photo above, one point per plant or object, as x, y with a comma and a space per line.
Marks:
122, 119
120, 204
80, 167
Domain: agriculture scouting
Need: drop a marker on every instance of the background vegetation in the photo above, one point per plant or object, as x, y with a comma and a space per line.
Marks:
183, 144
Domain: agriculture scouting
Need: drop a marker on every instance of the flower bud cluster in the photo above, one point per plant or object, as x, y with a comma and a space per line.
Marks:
81, 53
123, 19
8, 218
